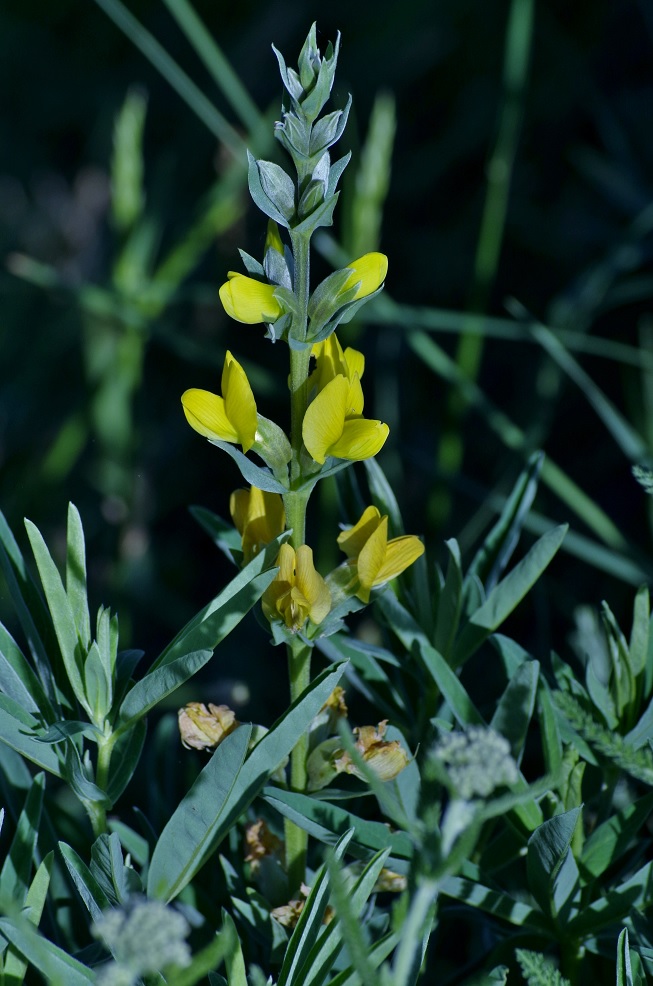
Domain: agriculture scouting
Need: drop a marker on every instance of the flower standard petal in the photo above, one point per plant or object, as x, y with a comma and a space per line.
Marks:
312, 585
325, 418
206, 413
400, 553
368, 272
354, 540
361, 439
371, 559
239, 401
248, 300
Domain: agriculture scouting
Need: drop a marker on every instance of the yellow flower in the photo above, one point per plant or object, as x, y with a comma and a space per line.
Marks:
230, 418
259, 517
204, 729
298, 593
248, 300
331, 361
368, 272
334, 423
377, 560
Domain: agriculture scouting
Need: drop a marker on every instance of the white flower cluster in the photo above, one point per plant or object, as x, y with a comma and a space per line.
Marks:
145, 937
477, 761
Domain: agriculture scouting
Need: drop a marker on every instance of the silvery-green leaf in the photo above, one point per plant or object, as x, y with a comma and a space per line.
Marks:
278, 187
259, 196
335, 172
311, 198
252, 266
321, 217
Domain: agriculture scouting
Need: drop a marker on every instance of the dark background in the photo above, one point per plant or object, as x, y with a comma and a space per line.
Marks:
569, 254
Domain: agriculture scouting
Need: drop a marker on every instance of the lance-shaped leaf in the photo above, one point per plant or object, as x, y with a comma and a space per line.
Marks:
54, 964
225, 788
508, 594
222, 614
17, 867
61, 611
18, 729
547, 850
158, 684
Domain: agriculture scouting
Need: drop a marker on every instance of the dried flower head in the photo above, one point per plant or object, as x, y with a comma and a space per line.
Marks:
203, 728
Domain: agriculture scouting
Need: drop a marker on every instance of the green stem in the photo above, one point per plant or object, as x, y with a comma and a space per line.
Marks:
295, 502
95, 809
299, 672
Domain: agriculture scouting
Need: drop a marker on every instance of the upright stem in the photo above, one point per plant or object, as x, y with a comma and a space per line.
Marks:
295, 501
299, 672
95, 809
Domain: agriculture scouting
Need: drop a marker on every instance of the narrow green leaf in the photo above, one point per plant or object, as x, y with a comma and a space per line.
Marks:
624, 970
547, 849
633, 895
515, 707
17, 867
222, 614
549, 732
87, 886
259, 476
125, 759
508, 594
495, 902
309, 925
225, 788
383, 496
29, 605
321, 958
379, 950
57, 967
158, 684
76, 575
610, 840
15, 729
234, 957
61, 611
15, 965
449, 602
415, 934
413, 638
18, 679
349, 925
639, 638
498, 546
193, 831
224, 535
108, 868
328, 822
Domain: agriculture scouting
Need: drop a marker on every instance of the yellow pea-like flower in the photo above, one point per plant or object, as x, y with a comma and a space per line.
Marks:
369, 272
331, 362
333, 423
248, 300
298, 592
377, 560
259, 517
230, 418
